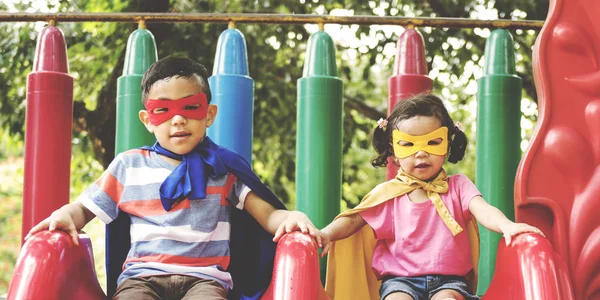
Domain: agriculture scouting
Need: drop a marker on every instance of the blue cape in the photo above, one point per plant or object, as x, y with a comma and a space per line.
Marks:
252, 248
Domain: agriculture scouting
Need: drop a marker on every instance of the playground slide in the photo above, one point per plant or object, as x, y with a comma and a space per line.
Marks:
529, 269
51, 267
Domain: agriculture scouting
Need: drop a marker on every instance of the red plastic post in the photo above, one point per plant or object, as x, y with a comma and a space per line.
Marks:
49, 121
410, 75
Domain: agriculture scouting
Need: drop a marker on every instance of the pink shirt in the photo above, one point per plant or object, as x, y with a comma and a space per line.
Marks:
413, 240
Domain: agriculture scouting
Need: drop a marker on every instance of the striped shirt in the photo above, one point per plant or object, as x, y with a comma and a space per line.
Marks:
190, 239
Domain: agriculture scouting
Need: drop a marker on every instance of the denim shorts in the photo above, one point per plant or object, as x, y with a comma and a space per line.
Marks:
424, 287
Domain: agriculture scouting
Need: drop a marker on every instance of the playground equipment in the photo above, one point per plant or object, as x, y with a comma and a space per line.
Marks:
319, 156
236, 106
409, 76
47, 171
562, 266
558, 180
498, 141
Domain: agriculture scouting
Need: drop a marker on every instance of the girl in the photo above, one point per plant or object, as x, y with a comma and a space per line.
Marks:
422, 248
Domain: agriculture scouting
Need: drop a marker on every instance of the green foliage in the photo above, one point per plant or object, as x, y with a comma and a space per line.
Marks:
11, 176
12, 144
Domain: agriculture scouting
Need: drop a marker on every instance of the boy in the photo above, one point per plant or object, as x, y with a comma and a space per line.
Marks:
179, 196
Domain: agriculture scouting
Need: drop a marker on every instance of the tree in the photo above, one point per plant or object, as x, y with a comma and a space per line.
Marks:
276, 53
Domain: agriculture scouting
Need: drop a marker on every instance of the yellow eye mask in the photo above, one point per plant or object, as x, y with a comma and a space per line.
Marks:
406, 145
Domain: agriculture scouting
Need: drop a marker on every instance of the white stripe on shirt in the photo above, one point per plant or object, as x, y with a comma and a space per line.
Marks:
89, 204
242, 197
145, 175
145, 232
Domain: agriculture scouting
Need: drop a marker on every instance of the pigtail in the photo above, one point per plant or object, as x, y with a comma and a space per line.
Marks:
458, 145
381, 143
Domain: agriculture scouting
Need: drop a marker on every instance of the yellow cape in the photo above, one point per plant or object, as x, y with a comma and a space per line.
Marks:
349, 273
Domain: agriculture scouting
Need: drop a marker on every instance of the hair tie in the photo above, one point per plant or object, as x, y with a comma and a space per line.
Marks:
458, 126
382, 123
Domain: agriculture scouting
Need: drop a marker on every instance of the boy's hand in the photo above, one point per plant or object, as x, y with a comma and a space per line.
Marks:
298, 220
510, 229
59, 219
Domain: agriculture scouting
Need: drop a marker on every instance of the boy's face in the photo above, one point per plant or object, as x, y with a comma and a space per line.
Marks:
178, 134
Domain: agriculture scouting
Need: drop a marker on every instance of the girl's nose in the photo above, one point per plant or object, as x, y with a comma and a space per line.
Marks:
421, 154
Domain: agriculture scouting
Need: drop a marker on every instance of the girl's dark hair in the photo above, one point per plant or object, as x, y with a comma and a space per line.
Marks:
426, 105
171, 66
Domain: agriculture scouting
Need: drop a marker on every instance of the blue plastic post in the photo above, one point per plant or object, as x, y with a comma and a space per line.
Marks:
233, 93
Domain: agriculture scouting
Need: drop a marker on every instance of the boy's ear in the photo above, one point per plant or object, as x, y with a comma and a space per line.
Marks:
211, 114
143, 114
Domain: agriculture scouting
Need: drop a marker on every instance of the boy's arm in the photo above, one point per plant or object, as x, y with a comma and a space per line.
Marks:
341, 228
70, 218
493, 219
278, 221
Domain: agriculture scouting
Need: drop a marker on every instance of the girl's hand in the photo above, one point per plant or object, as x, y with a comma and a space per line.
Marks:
326, 243
510, 229
298, 221
59, 220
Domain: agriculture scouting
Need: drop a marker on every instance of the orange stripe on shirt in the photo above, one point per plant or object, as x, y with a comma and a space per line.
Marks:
111, 186
222, 261
223, 190
147, 208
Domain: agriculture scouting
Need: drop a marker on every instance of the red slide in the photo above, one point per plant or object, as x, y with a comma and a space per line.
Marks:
51, 267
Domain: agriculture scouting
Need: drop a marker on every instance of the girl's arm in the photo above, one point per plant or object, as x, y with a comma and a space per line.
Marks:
493, 219
341, 228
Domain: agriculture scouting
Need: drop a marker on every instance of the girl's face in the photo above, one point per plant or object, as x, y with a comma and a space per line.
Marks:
422, 165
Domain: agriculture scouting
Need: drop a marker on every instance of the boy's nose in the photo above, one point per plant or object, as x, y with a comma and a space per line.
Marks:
178, 119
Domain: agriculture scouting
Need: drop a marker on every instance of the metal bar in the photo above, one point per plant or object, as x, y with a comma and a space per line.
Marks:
270, 19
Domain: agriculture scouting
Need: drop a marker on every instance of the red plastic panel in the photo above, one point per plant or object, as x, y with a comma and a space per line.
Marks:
296, 270
529, 269
50, 267
558, 182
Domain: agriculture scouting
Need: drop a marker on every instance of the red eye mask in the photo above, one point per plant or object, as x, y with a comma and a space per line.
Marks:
160, 111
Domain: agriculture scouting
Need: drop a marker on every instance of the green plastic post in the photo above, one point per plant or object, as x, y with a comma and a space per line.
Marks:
131, 133
319, 135
140, 54
498, 141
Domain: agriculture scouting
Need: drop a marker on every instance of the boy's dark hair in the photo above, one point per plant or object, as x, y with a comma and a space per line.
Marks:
426, 105
171, 66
